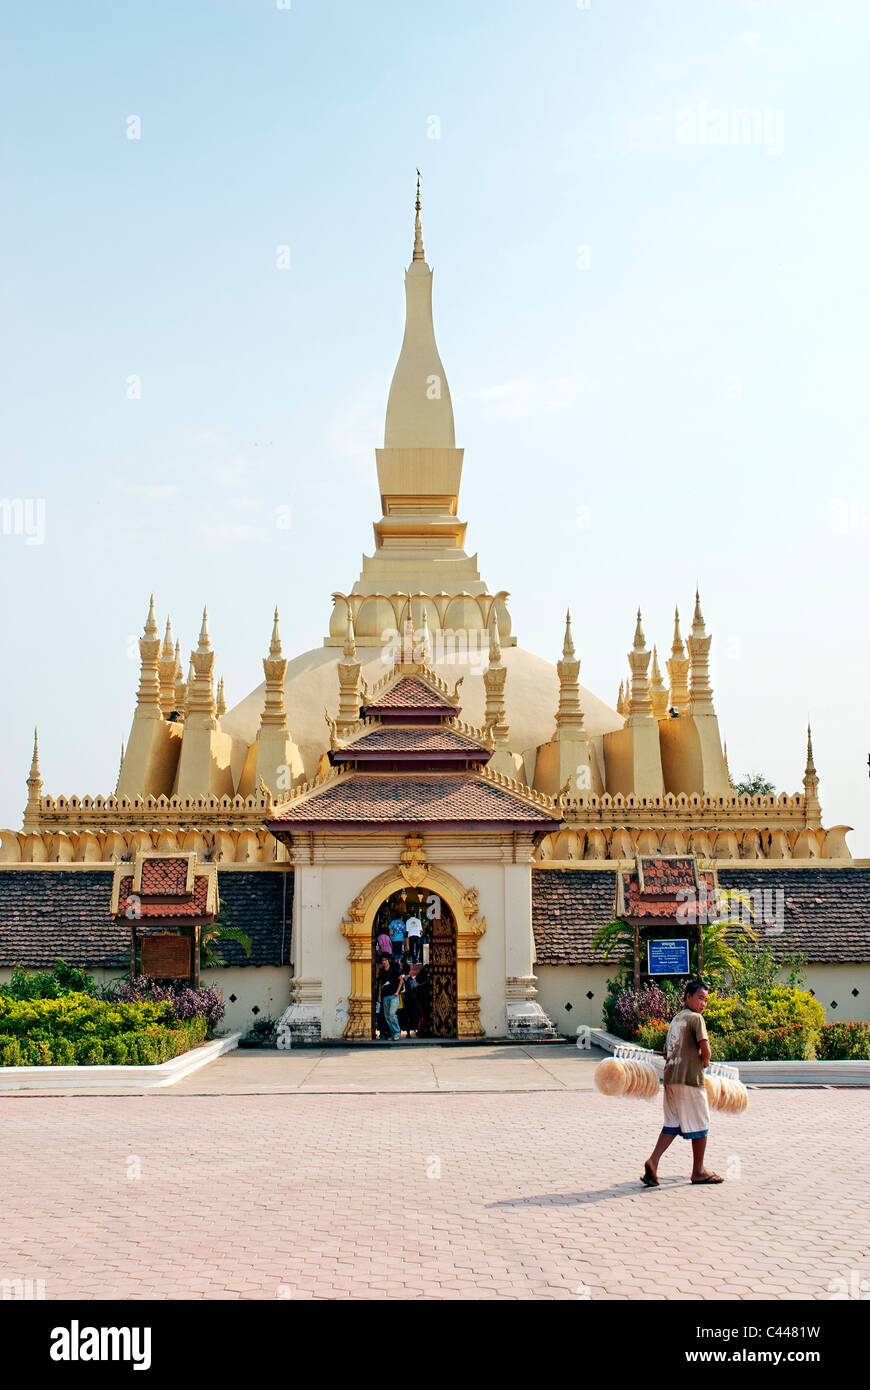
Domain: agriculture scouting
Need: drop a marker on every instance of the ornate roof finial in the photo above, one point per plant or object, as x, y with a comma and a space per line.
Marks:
350, 638
221, 707
658, 694
812, 805
639, 639
275, 644
419, 254
620, 700
168, 644
811, 767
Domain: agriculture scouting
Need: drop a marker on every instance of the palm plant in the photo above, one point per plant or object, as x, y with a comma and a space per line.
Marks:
220, 930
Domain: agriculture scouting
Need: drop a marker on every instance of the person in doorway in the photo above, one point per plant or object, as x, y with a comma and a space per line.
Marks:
397, 935
385, 945
389, 984
687, 1053
414, 929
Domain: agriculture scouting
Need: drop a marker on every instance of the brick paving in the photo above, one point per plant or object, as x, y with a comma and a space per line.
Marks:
492, 1195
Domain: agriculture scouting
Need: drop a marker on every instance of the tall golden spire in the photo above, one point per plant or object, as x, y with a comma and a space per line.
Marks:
274, 714
678, 670
812, 805
698, 642
166, 671
349, 678
419, 254
494, 677
148, 696
569, 715
640, 708
658, 694
201, 708
180, 684
34, 788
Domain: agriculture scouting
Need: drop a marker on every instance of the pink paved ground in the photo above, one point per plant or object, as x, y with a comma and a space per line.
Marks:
492, 1196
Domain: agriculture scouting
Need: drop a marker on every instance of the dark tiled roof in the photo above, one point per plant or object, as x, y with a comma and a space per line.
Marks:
568, 907
54, 912
826, 912
432, 738
416, 799
409, 693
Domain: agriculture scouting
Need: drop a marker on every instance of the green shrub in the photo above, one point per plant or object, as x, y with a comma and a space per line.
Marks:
840, 1041
652, 1034
779, 1006
794, 1043
48, 984
66, 1032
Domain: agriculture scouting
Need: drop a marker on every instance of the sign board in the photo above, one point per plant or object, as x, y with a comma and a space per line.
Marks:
668, 957
166, 956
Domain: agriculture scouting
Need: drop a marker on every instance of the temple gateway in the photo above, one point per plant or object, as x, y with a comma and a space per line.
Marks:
421, 766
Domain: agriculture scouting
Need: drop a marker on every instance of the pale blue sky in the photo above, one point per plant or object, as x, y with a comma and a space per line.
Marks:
699, 387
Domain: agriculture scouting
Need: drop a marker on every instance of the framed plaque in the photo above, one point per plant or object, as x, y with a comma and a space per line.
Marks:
165, 956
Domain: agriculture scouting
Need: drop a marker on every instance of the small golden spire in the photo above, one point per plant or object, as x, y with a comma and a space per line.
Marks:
568, 643
168, 644
494, 644
151, 629
204, 640
349, 638
678, 649
275, 644
419, 254
620, 700
639, 639
221, 707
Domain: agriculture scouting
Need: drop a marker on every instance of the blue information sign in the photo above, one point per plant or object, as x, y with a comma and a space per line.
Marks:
668, 957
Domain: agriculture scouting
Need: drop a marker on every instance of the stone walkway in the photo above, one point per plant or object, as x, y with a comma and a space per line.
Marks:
502, 1192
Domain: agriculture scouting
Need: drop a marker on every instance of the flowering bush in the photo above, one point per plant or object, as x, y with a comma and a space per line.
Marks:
184, 1002
844, 1040
626, 1009
653, 1034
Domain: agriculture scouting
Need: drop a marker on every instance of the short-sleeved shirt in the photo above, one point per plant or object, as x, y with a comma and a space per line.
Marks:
397, 929
683, 1065
414, 926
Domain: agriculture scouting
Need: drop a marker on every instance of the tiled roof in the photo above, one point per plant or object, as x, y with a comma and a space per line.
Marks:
164, 877
568, 907
185, 907
414, 799
432, 738
667, 884
825, 912
409, 693
55, 912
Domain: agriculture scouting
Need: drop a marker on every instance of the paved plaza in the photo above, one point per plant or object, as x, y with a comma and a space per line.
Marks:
434, 1173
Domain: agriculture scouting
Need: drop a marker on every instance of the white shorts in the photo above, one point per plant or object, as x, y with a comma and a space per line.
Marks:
686, 1111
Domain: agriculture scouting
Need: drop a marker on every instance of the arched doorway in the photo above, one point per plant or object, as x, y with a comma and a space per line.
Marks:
459, 908
421, 932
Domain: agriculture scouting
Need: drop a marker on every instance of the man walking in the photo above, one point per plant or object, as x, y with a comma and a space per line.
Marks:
390, 980
687, 1053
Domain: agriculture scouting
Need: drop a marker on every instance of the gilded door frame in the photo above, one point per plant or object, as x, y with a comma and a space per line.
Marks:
357, 927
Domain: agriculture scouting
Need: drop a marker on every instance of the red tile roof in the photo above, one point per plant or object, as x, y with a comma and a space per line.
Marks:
431, 738
411, 694
164, 878
670, 892
187, 907
415, 799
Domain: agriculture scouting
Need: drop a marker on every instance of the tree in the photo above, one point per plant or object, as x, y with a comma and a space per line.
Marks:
754, 784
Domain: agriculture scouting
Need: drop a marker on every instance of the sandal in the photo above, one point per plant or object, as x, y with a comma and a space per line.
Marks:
648, 1178
707, 1178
